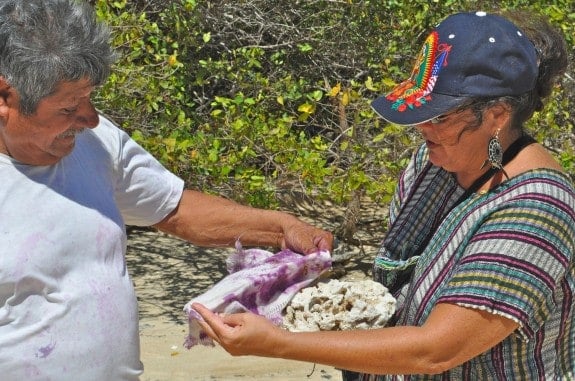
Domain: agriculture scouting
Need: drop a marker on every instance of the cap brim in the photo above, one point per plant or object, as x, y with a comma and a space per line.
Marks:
437, 105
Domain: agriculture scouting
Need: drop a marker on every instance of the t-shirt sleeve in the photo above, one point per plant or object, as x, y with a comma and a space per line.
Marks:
515, 265
145, 191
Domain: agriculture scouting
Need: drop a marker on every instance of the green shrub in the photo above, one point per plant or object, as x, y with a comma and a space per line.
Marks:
249, 99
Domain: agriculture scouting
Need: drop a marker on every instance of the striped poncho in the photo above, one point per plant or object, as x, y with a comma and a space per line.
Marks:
508, 251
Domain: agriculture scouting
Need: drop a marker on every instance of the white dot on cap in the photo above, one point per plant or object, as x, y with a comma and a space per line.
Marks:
519, 33
491, 39
451, 36
481, 14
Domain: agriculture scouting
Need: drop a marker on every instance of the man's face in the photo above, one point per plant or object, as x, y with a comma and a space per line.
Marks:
48, 135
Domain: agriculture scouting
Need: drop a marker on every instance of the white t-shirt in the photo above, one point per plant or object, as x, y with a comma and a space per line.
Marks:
68, 309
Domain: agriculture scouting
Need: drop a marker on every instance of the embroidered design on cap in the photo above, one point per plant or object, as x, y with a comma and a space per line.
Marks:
416, 90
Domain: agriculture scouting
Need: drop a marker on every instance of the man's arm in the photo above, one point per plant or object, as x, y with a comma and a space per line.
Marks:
208, 220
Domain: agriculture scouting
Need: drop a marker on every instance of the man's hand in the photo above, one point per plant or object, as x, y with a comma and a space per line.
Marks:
304, 238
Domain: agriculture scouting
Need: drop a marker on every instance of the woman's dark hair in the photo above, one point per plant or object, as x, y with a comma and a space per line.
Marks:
553, 61
552, 57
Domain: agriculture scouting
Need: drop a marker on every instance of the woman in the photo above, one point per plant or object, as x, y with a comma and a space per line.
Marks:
480, 249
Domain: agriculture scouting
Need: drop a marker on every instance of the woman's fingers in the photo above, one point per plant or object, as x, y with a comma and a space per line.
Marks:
212, 323
204, 312
217, 326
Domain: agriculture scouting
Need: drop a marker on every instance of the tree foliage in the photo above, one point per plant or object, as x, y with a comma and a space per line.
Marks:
250, 98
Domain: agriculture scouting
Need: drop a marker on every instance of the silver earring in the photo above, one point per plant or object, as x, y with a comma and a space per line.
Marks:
495, 154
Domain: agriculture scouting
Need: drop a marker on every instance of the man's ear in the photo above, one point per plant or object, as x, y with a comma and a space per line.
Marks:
6, 91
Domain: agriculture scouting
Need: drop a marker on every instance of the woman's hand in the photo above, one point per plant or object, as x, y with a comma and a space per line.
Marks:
451, 336
240, 334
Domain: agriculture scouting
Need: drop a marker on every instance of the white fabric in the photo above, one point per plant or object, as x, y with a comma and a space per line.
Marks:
259, 281
68, 310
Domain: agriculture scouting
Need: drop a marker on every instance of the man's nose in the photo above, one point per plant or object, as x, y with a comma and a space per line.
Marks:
87, 116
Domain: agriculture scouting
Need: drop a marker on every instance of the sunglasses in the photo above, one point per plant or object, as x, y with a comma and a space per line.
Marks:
443, 117
439, 119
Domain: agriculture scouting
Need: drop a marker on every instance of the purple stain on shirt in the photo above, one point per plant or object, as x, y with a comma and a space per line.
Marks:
44, 352
261, 282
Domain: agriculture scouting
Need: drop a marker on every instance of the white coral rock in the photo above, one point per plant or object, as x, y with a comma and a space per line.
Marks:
338, 305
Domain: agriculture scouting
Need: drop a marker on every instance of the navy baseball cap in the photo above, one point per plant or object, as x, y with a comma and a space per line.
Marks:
466, 55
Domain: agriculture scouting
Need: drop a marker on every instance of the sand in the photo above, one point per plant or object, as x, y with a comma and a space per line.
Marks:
165, 359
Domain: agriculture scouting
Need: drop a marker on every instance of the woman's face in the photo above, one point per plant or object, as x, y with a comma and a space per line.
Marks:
453, 145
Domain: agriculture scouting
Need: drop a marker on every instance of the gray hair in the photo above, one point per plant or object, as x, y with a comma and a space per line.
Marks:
46, 42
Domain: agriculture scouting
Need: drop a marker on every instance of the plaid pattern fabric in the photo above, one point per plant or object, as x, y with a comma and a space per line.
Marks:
432, 194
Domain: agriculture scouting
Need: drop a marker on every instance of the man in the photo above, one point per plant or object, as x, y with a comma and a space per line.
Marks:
71, 181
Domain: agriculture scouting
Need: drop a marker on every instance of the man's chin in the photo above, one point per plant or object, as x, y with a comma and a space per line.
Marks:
47, 158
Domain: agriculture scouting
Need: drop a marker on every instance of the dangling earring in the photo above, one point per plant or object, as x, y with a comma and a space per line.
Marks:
495, 154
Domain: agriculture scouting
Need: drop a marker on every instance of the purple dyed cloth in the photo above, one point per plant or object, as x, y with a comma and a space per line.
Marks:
261, 282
